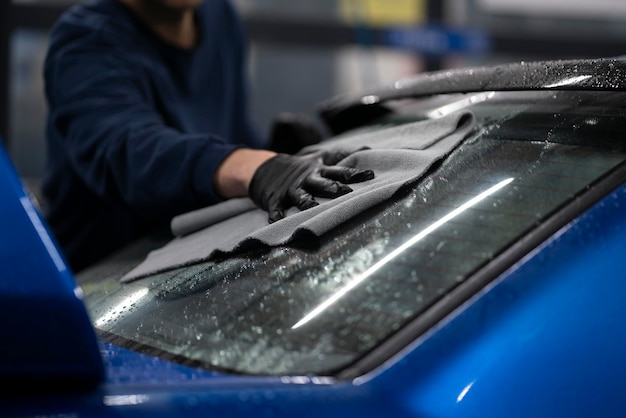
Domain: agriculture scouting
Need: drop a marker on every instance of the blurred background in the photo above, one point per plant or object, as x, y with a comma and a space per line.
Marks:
305, 51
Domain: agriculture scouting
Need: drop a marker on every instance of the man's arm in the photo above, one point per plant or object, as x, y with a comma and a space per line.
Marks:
233, 176
120, 145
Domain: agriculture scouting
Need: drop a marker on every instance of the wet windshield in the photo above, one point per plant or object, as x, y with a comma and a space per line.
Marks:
317, 306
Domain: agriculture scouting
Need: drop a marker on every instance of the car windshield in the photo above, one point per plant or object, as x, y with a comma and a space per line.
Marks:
318, 307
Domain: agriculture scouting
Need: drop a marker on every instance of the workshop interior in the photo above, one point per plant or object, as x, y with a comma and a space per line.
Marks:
302, 52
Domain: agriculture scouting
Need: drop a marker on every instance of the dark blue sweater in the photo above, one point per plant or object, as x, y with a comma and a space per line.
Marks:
137, 127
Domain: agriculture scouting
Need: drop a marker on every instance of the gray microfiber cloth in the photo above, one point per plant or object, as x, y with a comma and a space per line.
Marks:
190, 222
398, 155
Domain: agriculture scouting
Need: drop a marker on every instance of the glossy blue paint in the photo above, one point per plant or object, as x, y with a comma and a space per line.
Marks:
47, 335
125, 366
546, 339
141, 385
146, 385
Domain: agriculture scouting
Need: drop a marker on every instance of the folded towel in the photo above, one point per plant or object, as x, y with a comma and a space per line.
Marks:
399, 155
195, 220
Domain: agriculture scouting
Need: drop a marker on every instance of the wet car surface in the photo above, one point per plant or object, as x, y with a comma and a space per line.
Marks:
492, 285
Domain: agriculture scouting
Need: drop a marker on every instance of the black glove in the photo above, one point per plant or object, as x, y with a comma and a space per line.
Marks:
286, 180
291, 132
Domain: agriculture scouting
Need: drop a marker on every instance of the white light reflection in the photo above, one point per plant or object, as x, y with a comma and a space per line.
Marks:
41, 230
568, 81
122, 400
464, 391
461, 104
336, 296
118, 309
371, 99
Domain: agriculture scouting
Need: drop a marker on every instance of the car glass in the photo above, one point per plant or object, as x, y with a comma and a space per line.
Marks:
316, 307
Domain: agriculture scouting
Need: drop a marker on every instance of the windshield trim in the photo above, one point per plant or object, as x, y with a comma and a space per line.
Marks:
580, 75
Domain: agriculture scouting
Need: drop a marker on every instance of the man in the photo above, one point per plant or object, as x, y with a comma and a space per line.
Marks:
148, 119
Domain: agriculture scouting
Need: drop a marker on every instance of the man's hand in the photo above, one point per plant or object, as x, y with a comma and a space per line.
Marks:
285, 180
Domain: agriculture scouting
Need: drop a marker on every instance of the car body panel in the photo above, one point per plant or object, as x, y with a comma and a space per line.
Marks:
39, 300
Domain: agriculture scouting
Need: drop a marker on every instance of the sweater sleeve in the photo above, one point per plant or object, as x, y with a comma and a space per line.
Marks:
238, 38
117, 142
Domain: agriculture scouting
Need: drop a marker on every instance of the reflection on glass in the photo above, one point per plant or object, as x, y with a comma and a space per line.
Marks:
119, 309
432, 227
569, 81
465, 102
